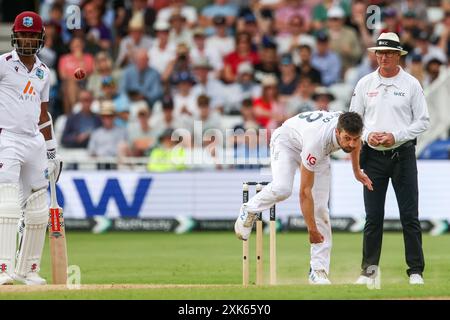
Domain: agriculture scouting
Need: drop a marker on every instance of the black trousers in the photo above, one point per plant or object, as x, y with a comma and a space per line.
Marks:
400, 166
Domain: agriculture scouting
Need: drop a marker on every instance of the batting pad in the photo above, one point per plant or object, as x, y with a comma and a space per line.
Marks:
36, 219
9, 218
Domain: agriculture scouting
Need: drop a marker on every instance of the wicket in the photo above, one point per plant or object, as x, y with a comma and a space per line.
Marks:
259, 242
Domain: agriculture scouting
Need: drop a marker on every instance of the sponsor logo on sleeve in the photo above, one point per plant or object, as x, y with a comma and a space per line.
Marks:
311, 160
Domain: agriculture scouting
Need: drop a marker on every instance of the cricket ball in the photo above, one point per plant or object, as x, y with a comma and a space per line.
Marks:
79, 74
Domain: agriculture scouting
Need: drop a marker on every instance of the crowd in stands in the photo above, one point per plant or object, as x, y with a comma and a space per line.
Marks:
157, 65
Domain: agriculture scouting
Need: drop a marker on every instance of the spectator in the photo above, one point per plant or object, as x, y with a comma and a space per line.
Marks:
185, 101
319, 13
188, 12
136, 39
210, 119
199, 50
296, 36
165, 119
105, 141
180, 32
103, 68
432, 68
268, 64
416, 68
343, 39
291, 8
80, 125
141, 137
326, 61
98, 35
161, 52
219, 8
124, 15
268, 110
120, 101
306, 69
180, 63
427, 50
168, 155
248, 115
245, 88
289, 77
391, 22
208, 85
66, 68
368, 65
410, 30
140, 81
322, 98
249, 149
243, 52
301, 101
221, 40
442, 31
358, 22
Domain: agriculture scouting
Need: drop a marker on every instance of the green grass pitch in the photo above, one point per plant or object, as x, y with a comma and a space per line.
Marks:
208, 265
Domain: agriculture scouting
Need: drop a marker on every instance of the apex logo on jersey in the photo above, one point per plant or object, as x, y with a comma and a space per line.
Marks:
28, 93
311, 160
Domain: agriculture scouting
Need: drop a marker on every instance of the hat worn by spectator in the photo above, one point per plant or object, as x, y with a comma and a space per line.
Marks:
322, 36
108, 81
167, 133
335, 13
269, 81
409, 14
286, 59
136, 22
219, 20
388, 41
245, 67
321, 92
107, 108
424, 36
199, 31
390, 13
249, 18
161, 25
202, 63
167, 102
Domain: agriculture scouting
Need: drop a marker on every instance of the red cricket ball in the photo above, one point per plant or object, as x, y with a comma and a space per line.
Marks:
79, 74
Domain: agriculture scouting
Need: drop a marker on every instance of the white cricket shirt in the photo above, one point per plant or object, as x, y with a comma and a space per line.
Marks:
313, 135
396, 105
21, 94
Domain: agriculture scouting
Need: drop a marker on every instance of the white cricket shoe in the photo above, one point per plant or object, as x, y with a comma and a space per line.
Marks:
5, 279
364, 280
318, 277
416, 278
31, 279
244, 224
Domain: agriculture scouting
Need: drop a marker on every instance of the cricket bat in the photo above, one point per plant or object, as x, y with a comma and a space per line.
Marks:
58, 246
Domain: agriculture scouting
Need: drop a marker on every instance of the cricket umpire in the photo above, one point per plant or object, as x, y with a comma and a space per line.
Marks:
393, 107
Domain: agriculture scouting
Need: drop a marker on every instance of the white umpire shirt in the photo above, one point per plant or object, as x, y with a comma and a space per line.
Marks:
21, 94
396, 105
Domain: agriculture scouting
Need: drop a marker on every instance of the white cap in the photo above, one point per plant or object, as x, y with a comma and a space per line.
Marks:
161, 25
245, 67
388, 41
335, 12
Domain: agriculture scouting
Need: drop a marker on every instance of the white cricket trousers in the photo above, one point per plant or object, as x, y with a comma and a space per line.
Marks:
23, 161
284, 162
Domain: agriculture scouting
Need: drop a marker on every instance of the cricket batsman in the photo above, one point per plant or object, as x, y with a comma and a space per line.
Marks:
27, 152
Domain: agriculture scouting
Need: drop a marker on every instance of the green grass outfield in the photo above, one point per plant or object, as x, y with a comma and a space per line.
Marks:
208, 265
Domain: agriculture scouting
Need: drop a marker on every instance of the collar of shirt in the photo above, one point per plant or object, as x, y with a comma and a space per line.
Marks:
393, 81
15, 57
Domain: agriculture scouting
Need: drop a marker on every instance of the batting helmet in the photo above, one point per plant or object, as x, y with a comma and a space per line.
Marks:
28, 21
